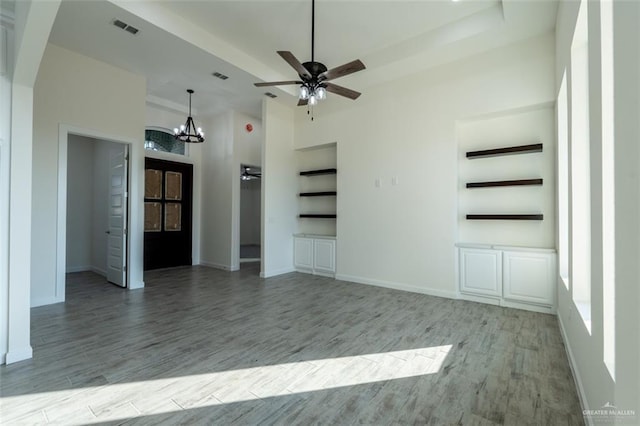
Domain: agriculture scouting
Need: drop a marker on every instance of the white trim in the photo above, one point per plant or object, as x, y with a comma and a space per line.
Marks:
397, 286
218, 266
19, 355
249, 259
99, 271
46, 301
74, 269
574, 370
269, 274
61, 230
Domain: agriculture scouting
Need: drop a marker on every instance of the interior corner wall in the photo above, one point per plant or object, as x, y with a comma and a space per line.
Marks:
80, 190
157, 116
279, 189
247, 149
217, 175
75, 90
402, 232
596, 386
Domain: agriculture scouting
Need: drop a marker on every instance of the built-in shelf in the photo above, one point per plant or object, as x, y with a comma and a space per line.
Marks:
319, 172
318, 216
517, 182
504, 217
319, 194
522, 149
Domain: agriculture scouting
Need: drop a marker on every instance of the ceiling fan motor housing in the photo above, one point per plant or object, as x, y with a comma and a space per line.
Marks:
314, 68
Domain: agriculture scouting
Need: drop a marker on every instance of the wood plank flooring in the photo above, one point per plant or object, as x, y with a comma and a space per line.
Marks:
204, 346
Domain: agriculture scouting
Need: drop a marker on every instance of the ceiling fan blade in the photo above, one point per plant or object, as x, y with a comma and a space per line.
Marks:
342, 91
302, 102
277, 83
342, 70
295, 63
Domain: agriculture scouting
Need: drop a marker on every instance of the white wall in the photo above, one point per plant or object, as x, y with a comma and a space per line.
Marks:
509, 128
6, 58
586, 348
403, 235
250, 211
77, 91
228, 145
217, 175
279, 189
168, 117
80, 190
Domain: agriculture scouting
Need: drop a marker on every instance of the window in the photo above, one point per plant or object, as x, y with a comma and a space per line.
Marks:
580, 169
563, 182
160, 140
608, 191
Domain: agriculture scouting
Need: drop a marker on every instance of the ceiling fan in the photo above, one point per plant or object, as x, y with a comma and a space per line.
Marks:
314, 76
247, 175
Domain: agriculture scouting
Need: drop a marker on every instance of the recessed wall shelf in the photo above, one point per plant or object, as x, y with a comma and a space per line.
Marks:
517, 182
522, 149
318, 216
504, 217
319, 194
319, 172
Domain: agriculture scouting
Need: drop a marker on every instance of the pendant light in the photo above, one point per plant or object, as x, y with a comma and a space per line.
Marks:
188, 132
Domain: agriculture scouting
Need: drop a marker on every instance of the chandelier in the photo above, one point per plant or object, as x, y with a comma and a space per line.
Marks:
188, 131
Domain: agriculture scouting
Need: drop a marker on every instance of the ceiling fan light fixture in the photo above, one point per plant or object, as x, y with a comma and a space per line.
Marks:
321, 93
188, 132
304, 92
313, 100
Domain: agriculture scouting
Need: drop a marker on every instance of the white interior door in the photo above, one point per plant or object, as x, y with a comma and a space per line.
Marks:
117, 233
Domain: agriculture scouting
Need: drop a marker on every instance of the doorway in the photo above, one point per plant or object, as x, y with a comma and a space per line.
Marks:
250, 195
168, 198
96, 208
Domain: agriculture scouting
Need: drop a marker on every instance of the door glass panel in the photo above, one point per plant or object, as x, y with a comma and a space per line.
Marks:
152, 217
173, 217
173, 186
153, 184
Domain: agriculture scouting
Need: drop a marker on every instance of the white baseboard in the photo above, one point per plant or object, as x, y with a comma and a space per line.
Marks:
134, 285
216, 265
3, 359
249, 259
268, 274
574, 370
73, 269
46, 301
398, 286
19, 355
98, 271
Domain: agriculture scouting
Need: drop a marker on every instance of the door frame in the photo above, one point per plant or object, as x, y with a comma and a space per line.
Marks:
134, 253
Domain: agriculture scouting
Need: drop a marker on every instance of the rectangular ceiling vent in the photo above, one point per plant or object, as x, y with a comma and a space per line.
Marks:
124, 26
269, 94
220, 76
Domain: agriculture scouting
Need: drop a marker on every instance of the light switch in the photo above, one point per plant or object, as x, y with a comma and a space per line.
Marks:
394, 180
378, 183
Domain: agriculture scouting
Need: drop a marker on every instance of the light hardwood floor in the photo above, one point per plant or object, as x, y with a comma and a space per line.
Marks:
203, 346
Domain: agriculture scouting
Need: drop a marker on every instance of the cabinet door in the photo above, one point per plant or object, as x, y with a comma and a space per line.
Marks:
303, 253
481, 271
324, 259
528, 277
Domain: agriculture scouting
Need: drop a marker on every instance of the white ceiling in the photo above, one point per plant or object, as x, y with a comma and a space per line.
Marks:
181, 43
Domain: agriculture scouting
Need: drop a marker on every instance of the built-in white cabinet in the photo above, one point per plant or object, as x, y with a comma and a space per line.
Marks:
315, 254
481, 271
508, 276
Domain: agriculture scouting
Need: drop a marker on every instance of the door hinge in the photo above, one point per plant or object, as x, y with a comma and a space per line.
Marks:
124, 268
125, 231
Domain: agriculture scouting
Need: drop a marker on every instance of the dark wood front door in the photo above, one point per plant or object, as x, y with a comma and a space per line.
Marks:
167, 213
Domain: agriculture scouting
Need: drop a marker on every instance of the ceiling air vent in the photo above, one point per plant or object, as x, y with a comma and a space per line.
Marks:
124, 26
118, 23
269, 94
220, 76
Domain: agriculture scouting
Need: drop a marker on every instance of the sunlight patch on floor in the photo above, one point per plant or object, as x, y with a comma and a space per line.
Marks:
160, 396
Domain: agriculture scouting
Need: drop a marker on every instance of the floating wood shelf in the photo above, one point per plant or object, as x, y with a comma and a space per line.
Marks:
522, 149
518, 182
319, 172
504, 217
319, 194
319, 216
